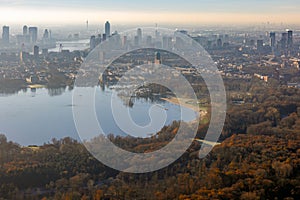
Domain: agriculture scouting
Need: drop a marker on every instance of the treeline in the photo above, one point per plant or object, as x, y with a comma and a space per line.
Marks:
244, 166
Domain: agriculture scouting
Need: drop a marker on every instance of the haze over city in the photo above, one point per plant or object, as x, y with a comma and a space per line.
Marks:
148, 12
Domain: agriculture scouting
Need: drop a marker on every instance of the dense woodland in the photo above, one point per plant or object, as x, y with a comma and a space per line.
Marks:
259, 158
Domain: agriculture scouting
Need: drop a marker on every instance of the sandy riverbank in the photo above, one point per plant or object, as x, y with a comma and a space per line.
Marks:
184, 102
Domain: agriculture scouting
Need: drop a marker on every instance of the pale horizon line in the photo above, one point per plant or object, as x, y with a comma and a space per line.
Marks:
72, 17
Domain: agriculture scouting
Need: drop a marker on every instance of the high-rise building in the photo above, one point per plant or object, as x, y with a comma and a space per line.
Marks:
157, 59
167, 42
139, 34
25, 30
124, 41
260, 45
107, 29
36, 51
104, 37
226, 39
290, 39
273, 39
219, 43
136, 41
46, 34
33, 32
149, 40
5, 35
92, 42
283, 42
98, 39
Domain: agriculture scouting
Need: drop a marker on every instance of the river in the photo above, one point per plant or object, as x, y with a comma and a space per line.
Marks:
72, 45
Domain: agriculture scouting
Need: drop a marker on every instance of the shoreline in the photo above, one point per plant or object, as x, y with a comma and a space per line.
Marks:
175, 101
196, 108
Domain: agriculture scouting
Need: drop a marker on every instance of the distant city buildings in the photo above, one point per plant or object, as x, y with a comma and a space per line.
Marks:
235, 53
96, 40
5, 35
282, 46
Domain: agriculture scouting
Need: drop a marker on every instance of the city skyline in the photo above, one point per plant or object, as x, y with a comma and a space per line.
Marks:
166, 12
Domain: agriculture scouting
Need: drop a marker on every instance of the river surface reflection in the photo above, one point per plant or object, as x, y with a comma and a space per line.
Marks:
34, 117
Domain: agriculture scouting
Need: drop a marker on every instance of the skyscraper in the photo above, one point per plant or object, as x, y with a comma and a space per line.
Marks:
157, 59
107, 29
124, 41
149, 40
104, 37
219, 43
283, 41
46, 34
139, 34
260, 45
273, 39
36, 51
290, 39
25, 30
33, 34
136, 41
167, 42
5, 35
92, 42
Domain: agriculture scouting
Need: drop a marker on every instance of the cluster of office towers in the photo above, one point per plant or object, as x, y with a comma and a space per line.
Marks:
166, 42
29, 36
286, 42
94, 41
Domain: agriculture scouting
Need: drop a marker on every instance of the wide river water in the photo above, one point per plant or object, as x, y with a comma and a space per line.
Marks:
34, 117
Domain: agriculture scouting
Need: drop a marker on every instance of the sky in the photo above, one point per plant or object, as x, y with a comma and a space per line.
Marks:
149, 12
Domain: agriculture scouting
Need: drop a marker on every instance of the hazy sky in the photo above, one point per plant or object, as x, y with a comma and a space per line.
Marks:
152, 11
